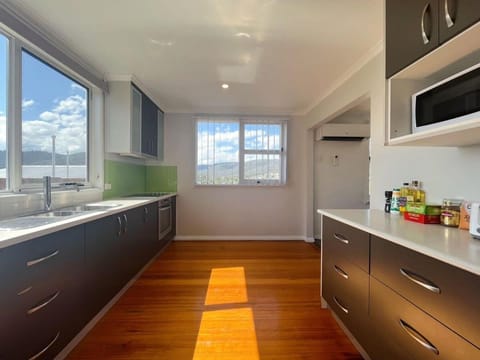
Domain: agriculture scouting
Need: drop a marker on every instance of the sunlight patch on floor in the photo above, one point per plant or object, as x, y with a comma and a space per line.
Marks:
227, 286
227, 334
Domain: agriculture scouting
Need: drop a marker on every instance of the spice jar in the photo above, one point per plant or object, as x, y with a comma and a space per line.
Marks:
450, 215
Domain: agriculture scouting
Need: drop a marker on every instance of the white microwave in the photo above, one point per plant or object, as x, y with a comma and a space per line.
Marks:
450, 101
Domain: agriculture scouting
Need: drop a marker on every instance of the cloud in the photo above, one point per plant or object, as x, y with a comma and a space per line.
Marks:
218, 147
67, 121
27, 103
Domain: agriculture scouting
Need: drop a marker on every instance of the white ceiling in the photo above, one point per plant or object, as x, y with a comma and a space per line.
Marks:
183, 50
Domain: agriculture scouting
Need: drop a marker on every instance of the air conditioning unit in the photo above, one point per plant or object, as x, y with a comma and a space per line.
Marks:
343, 132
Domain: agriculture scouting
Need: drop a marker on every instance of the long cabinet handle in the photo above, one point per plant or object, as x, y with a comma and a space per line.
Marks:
449, 20
418, 337
419, 280
50, 344
24, 291
425, 37
125, 218
340, 272
339, 304
43, 304
119, 232
341, 238
42, 259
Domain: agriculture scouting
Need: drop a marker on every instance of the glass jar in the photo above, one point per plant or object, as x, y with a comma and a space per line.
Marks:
450, 215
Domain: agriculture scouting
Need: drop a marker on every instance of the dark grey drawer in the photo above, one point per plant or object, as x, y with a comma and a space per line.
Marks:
42, 263
352, 243
449, 294
404, 332
345, 289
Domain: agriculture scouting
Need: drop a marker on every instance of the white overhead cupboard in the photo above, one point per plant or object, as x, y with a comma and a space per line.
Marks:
134, 123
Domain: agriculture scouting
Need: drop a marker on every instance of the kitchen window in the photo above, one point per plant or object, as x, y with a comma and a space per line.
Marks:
246, 151
45, 120
54, 124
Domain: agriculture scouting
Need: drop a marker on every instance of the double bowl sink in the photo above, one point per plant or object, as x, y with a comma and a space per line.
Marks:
48, 217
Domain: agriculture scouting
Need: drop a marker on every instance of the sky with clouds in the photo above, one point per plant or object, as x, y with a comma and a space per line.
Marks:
218, 142
52, 105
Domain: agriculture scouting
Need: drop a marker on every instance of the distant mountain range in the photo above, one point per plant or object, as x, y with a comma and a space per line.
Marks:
226, 169
45, 158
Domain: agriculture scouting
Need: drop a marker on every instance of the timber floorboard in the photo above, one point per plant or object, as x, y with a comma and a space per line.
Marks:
266, 306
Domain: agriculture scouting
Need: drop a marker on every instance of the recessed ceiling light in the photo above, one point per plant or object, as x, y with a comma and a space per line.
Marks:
225, 86
243, 34
162, 42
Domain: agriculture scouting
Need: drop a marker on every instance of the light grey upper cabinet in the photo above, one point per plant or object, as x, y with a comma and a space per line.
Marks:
131, 121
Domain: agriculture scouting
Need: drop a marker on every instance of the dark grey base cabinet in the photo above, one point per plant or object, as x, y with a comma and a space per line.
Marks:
52, 286
42, 300
397, 303
406, 332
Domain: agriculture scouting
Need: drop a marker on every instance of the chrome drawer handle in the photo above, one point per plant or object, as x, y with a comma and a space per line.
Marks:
37, 261
340, 272
341, 238
417, 279
343, 308
126, 223
119, 232
448, 17
24, 291
37, 355
43, 304
418, 337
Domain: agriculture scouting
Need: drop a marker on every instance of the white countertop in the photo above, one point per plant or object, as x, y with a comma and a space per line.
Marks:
450, 245
12, 237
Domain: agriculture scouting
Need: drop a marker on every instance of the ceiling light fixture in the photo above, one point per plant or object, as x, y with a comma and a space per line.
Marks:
242, 34
225, 86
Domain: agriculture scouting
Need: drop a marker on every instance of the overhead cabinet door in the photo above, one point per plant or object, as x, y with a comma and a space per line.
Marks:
149, 127
456, 16
411, 31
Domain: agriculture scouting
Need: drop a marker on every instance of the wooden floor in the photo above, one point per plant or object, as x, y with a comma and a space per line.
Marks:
222, 300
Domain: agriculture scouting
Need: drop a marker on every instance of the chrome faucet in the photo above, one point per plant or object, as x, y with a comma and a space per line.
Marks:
47, 193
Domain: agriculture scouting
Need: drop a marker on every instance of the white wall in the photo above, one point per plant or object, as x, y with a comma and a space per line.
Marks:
340, 176
444, 172
235, 212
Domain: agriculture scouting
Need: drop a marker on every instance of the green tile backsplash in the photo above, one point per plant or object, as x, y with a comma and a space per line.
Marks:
161, 178
127, 179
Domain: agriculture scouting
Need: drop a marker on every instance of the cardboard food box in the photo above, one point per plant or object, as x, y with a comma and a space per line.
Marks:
425, 209
422, 218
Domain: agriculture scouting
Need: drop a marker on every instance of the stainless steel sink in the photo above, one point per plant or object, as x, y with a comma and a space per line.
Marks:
26, 222
58, 213
91, 207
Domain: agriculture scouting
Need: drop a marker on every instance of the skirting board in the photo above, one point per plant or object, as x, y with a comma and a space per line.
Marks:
239, 238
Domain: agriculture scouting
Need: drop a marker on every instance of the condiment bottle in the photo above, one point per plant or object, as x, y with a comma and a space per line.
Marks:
403, 198
388, 201
395, 209
450, 215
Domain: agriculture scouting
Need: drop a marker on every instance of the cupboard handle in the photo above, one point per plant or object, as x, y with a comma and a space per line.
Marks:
24, 291
340, 272
41, 352
119, 232
418, 337
126, 223
425, 37
145, 213
343, 308
341, 238
448, 17
42, 259
417, 279
43, 304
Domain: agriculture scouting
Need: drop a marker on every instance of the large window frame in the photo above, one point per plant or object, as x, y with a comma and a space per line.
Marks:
281, 152
14, 114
